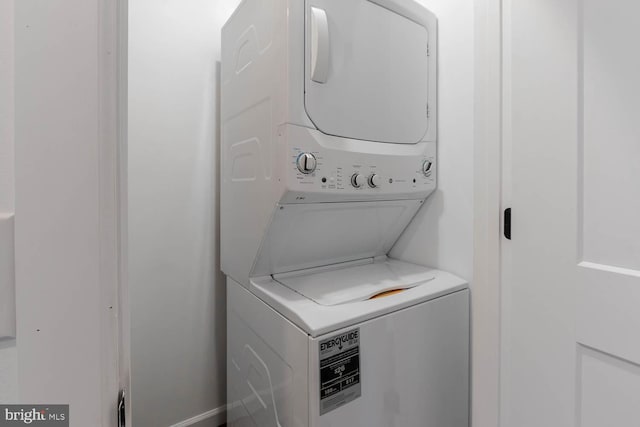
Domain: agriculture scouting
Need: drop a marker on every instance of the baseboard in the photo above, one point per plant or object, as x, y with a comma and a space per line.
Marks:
213, 418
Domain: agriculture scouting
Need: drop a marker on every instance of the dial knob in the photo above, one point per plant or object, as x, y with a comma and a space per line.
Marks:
306, 163
358, 180
374, 180
426, 167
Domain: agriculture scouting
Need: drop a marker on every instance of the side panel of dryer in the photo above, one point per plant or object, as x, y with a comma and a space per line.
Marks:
253, 96
267, 369
262, 87
410, 369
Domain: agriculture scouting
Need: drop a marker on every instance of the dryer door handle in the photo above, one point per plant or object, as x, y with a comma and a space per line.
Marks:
319, 45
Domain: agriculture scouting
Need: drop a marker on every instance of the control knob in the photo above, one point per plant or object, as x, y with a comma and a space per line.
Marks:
374, 180
306, 163
426, 167
358, 180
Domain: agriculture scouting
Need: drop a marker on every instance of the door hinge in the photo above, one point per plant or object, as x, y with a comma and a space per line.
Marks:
507, 223
428, 112
428, 50
122, 419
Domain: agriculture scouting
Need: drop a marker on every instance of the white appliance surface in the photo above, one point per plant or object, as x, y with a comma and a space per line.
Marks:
413, 369
323, 102
350, 283
303, 236
327, 300
322, 169
375, 70
410, 367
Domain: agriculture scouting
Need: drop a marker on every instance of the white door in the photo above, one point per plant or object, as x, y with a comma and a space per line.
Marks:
368, 69
572, 325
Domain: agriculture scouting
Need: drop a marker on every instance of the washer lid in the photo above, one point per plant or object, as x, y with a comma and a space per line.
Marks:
357, 283
341, 285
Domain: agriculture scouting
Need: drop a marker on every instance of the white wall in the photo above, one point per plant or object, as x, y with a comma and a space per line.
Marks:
8, 356
8, 372
176, 289
6, 107
441, 235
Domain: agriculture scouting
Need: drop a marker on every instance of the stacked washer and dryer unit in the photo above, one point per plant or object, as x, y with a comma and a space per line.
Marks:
328, 151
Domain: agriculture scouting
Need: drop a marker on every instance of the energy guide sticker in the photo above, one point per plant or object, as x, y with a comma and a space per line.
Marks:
339, 370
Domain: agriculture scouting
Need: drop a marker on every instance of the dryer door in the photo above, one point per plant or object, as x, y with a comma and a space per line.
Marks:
368, 69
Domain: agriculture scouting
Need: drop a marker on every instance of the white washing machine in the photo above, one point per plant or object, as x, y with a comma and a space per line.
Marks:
313, 348
328, 151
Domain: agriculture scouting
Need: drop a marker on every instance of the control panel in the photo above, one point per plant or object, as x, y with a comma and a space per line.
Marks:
322, 172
